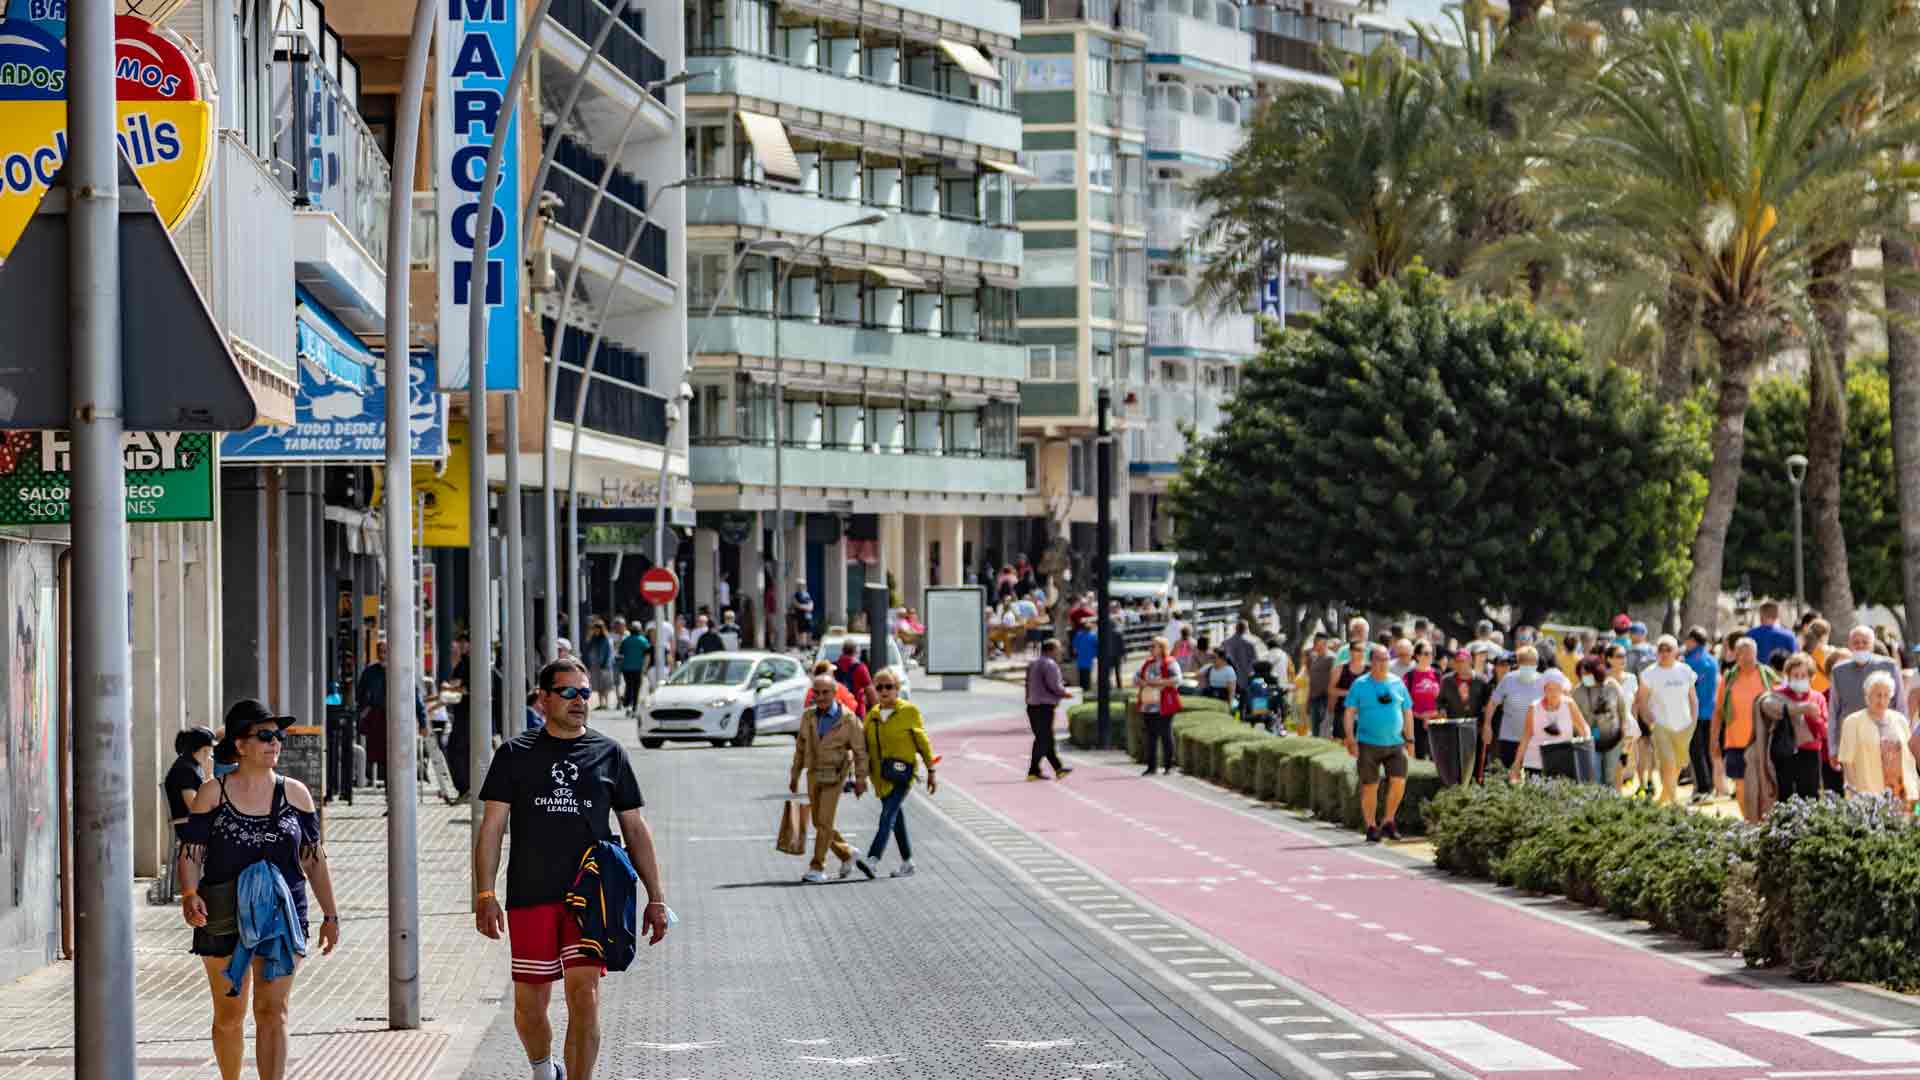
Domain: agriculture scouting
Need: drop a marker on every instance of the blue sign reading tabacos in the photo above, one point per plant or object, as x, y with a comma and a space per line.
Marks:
335, 420
480, 37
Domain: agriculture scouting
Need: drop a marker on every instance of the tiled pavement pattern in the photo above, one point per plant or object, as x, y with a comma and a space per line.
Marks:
339, 1009
966, 970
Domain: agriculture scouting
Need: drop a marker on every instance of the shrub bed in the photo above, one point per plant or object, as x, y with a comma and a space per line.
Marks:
1829, 889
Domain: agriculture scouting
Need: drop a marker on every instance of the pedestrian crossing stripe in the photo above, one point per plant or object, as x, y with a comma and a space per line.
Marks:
1666, 1044
1484, 1050
1847, 1040
1480, 1047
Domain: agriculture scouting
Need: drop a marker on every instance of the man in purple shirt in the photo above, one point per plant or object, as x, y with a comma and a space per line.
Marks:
1045, 691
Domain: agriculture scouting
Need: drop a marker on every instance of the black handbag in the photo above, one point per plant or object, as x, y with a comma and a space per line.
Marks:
896, 770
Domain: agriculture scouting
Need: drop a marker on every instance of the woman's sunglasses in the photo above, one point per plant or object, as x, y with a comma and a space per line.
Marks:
269, 735
885, 686
570, 693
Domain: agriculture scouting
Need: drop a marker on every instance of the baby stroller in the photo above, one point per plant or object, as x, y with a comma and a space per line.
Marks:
1261, 702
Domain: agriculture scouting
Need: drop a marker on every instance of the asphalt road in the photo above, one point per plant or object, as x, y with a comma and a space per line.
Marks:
1112, 928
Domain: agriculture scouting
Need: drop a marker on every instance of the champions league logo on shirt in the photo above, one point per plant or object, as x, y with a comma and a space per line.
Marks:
562, 800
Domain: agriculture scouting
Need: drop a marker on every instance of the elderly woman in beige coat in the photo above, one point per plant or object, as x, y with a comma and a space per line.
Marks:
1876, 746
831, 746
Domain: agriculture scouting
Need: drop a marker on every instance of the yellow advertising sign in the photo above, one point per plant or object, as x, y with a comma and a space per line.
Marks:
168, 143
449, 524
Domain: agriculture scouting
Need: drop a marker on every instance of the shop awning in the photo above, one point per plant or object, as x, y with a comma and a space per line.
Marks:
970, 60
771, 147
897, 278
1019, 172
331, 354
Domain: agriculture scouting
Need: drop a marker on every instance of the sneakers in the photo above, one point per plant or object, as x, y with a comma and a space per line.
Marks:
846, 870
1063, 774
1390, 831
1032, 776
1373, 835
906, 869
864, 867
812, 877
1149, 771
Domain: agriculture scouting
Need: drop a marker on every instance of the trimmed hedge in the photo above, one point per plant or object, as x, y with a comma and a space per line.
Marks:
1829, 888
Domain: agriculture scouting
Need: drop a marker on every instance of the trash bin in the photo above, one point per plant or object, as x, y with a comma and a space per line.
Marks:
1575, 759
1455, 744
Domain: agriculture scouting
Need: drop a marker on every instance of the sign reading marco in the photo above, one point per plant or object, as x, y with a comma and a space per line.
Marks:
480, 37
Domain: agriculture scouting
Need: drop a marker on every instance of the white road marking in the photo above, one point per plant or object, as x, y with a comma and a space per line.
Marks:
1252, 1003
1465, 1015
1371, 926
1176, 948
1480, 1047
1494, 975
1246, 986
1276, 1021
1198, 960
1459, 961
1432, 950
1325, 1036
1219, 974
1533, 990
1387, 1074
1400, 937
1348, 915
1020, 1044
1571, 1006
676, 1048
1835, 1035
1670, 1046
1356, 1055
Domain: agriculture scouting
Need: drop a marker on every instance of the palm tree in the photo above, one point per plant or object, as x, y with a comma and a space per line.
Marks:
1714, 164
1353, 174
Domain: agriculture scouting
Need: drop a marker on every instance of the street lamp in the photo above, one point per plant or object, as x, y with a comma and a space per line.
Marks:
548, 508
779, 435
580, 395
1796, 476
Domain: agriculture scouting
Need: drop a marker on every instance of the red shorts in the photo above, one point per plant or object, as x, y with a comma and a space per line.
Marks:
545, 938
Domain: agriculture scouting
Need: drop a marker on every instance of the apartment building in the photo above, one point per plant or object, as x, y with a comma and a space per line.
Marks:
1127, 105
851, 284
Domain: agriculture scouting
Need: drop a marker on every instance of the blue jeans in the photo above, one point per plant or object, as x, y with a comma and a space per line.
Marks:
893, 819
1317, 715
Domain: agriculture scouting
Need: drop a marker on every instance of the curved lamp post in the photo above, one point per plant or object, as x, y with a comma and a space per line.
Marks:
779, 618
1796, 476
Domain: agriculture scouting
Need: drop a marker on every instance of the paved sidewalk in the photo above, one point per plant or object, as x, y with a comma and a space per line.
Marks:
339, 1006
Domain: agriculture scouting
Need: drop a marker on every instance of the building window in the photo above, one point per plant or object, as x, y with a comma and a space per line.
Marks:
1000, 427
1050, 168
1030, 457
1046, 73
1049, 363
1100, 169
1058, 266
1100, 269
1080, 479
1099, 74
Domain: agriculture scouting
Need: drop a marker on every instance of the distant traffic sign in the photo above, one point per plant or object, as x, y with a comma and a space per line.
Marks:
659, 586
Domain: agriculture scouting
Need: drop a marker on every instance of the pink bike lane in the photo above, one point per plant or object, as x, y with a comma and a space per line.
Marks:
1480, 980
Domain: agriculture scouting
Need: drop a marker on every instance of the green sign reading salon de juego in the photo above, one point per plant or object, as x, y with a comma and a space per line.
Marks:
169, 477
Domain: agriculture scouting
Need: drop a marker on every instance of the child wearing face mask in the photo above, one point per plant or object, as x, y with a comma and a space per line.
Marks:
1807, 712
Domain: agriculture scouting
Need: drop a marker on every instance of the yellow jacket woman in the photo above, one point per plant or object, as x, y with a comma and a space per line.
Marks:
896, 743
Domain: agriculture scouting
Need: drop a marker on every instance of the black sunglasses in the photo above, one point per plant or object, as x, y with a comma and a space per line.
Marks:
269, 735
570, 693
885, 686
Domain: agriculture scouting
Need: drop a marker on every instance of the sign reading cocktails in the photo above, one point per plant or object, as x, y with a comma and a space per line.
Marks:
165, 111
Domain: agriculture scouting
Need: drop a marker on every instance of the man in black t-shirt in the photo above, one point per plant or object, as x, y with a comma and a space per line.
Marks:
556, 786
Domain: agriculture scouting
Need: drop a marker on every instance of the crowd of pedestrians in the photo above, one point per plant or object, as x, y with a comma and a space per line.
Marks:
1765, 713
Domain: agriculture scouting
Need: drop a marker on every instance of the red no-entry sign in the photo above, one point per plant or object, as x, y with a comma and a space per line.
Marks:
659, 585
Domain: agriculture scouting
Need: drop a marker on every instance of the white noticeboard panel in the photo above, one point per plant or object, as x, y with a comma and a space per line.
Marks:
956, 630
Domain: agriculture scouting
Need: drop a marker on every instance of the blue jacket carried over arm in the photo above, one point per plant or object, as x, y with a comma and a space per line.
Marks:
269, 925
603, 898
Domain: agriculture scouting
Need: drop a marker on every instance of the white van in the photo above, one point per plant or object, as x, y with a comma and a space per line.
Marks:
1143, 575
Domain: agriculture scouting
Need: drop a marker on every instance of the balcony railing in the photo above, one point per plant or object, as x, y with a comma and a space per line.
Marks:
328, 158
1180, 131
626, 48
613, 226
1181, 327
1203, 39
1115, 14
613, 408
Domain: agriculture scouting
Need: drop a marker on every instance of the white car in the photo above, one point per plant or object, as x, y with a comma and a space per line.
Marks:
836, 638
1144, 575
726, 697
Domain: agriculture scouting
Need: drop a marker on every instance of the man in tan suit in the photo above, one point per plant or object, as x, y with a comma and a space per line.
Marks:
831, 746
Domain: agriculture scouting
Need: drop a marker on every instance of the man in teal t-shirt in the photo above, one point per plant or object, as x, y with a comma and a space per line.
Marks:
635, 654
1380, 732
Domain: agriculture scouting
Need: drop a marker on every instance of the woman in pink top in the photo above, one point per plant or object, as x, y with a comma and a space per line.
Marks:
1807, 712
1423, 685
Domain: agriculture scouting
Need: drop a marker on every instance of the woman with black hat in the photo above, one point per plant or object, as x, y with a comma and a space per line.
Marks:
250, 816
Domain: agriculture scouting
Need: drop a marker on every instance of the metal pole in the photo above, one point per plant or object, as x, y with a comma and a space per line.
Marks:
479, 576
419, 579
403, 872
513, 628
586, 373
660, 629
1799, 563
1103, 546
779, 616
103, 1001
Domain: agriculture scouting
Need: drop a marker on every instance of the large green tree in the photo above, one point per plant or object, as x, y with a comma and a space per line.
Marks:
1407, 451
1760, 538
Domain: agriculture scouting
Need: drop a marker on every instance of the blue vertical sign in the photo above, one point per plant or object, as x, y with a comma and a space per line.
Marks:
479, 37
